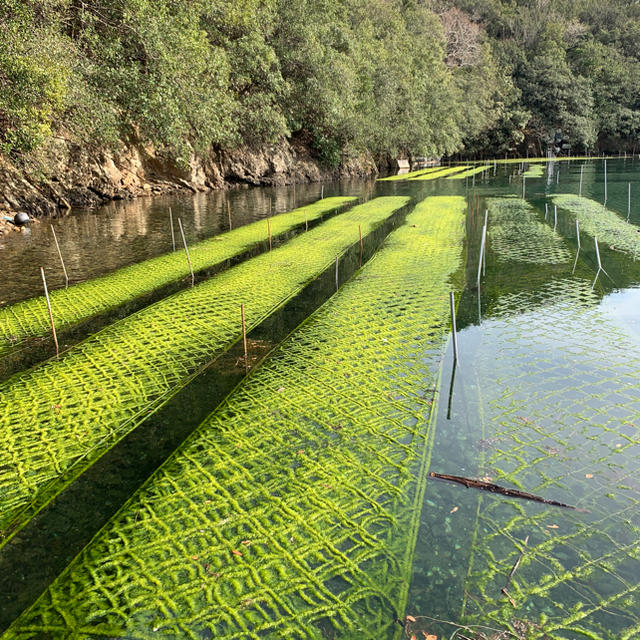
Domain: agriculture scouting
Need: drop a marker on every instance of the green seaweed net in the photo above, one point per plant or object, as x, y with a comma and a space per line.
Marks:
470, 172
410, 174
292, 511
596, 220
83, 301
442, 173
561, 400
516, 234
56, 418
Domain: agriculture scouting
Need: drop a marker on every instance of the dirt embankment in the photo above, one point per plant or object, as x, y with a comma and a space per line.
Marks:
66, 174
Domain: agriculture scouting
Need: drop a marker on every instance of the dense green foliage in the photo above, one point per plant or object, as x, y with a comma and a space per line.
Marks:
573, 65
387, 76
187, 74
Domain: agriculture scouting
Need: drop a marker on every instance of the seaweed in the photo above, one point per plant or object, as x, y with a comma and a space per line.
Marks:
57, 418
292, 511
410, 174
80, 302
442, 173
470, 172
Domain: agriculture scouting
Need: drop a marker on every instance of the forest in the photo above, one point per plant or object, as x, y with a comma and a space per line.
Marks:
385, 77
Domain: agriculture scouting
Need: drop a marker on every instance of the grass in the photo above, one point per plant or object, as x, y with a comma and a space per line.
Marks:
80, 302
57, 418
292, 511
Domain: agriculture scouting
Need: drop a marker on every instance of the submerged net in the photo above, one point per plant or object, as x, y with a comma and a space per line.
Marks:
56, 418
83, 301
562, 423
558, 403
292, 511
596, 220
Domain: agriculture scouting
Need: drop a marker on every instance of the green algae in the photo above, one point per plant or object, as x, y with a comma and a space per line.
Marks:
442, 173
516, 234
80, 302
470, 172
292, 511
596, 220
57, 418
561, 395
535, 171
410, 174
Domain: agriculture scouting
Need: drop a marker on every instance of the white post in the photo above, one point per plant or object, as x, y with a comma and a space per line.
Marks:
598, 253
578, 231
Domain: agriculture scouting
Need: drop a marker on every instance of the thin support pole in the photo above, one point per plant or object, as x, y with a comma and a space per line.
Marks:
322, 192
244, 341
580, 190
605, 181
186, 250
546, 210
629, 201
229, 214
578, 231
53, 326
173, 235
555, 216
337, 282
484, 253
64, 269
269, 230
558, 176
361, 245
481, 255
453, 326
598, 254
524, 187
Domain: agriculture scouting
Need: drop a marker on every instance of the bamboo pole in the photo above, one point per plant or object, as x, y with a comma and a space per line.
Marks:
53, 326
173, 235
186, 250
453, 326
555, 216
578, 231
322, 192
229, 214
64, 269
269, 230
244, 340
361, 247
337, 282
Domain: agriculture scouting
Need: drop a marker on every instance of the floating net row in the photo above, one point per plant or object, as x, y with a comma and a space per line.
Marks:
596, 220
56, 418
292, 511
561, 401
83, 301
410, 174
516, 234
470, 172
442, 173
534, 171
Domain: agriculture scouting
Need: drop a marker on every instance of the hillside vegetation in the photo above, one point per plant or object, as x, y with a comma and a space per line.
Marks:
381, 76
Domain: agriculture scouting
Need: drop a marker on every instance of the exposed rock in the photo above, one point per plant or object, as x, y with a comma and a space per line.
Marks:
66, 174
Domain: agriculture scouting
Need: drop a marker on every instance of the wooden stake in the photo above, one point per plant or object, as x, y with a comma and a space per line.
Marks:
64, 269
453, 326
173, 235
229, 214
53, 326
244, 340
186, 250
361, 247
269, 230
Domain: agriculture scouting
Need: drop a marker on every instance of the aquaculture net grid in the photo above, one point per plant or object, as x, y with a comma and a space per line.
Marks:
470, 172
57, 417
560, 400
291, 512
441, 174
410, 174
596, 220
82, 301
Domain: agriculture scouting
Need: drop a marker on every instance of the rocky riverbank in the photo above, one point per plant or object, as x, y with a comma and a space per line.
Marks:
65, 174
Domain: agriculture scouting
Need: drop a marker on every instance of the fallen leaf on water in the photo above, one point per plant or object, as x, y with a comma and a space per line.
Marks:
487, 479
236, 552
194, 557
588, 475
454, 510
411, 619
552, 526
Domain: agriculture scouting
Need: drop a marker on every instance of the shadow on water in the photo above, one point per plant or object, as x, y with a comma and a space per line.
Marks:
38, 553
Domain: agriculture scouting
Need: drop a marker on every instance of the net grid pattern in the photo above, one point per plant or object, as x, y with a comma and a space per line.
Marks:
85, 300
561, 400
289, 513
57, 417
